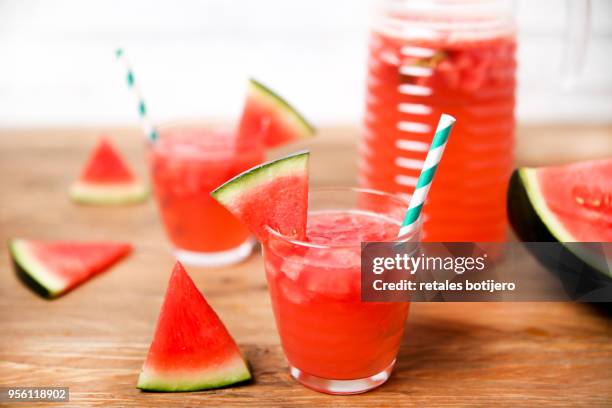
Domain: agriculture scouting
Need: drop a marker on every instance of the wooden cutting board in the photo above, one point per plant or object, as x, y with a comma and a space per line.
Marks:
94, 339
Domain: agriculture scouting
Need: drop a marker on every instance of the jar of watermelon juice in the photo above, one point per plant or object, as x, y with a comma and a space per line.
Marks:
334, 342
428, 57
187, 162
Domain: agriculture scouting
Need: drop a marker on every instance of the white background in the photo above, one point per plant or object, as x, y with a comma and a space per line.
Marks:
192, 58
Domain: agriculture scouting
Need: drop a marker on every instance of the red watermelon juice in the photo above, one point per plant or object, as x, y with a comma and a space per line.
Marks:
422, 64
187, 163
334, 342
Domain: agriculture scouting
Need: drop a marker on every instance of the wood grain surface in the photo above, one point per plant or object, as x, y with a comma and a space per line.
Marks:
94, 339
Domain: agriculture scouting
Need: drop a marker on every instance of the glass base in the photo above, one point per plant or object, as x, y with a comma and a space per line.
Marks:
342, 387
221, 258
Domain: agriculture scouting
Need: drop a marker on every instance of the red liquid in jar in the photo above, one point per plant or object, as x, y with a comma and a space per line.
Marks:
411, 81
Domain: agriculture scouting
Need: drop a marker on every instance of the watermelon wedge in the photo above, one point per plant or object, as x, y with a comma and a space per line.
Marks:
192, 350
107, 180
273, 194
53, 268
268, 115
570, 204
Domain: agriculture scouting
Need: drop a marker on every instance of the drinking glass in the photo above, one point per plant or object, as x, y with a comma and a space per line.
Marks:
335, 342
189, 160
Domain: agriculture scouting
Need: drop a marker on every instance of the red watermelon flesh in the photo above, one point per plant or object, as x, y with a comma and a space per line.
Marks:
274, 194
58, 267
286, 213
580, 197
105, 165
267, 115
192, 350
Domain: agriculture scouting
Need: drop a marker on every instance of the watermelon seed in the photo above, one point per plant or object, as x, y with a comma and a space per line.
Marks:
596, 203
593, 199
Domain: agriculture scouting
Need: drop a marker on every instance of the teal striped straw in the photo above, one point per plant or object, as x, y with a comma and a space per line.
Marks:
147, 126
436, 149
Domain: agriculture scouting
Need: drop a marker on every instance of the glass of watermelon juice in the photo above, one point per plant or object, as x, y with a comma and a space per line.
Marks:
334, 342
187, 162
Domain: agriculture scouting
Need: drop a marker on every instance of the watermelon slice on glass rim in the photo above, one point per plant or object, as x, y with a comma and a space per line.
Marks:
107, 180
52, 268
191, 349
273, 194
266, 114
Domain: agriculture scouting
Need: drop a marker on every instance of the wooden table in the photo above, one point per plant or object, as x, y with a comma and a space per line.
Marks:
94, 339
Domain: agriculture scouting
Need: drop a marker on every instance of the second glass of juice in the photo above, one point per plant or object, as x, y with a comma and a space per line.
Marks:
187, 162
334, 342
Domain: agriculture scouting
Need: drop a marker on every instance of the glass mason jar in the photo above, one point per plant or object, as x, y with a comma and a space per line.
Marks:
428, 57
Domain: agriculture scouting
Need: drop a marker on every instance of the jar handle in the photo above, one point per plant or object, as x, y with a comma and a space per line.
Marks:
577, 30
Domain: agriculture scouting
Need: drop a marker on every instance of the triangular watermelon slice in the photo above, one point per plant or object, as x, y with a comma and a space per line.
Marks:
268, 115
54, 268
273, 194
107, 180
192, 350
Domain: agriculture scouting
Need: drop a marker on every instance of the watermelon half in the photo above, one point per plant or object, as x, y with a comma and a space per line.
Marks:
53, 268
570, 204
107, 180
268, 115
273, 194
191, 350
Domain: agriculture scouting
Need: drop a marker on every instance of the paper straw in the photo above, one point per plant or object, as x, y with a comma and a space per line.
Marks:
436, 149
147, 126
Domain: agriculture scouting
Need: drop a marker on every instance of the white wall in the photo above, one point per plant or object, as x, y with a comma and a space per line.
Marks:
191, 58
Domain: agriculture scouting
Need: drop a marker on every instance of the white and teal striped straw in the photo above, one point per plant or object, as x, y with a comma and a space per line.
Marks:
147, 126
436, 149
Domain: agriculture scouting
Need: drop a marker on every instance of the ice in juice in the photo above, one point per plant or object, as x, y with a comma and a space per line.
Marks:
187, 163
418, 69
325, 328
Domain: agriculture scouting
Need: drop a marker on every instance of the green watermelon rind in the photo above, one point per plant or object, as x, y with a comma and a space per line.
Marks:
290, 115
534, 221
44, 280
108, 194
529, 177
228, 193
230, 372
